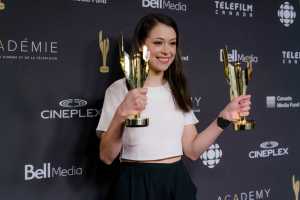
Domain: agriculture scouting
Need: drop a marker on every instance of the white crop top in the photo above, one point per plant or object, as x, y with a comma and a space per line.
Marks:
162, 137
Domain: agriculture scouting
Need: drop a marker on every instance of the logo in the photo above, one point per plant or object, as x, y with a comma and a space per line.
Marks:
282, 102
269, 149
185, 58
296, 187
92, 1
290, 57
196, 103
234, 56
104, 48
286, 14
47, 171
74, 108
28, 50
212, 156
2, 5
252, 194
164, 4
236, 9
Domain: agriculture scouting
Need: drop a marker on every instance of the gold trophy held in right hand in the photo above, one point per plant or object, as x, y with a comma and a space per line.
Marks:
238, 79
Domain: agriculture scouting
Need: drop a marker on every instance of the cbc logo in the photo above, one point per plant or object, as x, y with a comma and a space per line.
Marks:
212, 156
286, 14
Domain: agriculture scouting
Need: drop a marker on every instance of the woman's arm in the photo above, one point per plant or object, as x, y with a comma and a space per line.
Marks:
195, 144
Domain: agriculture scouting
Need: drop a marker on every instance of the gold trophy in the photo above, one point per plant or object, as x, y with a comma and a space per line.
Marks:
238, 79
104, 48
136, 69
296, 187
2, 5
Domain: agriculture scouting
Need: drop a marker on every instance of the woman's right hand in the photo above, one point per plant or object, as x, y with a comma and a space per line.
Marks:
134, 102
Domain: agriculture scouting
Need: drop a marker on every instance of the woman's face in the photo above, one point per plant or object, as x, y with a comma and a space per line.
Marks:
161, 43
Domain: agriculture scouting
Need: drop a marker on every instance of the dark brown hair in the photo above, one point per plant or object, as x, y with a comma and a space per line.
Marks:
174, 74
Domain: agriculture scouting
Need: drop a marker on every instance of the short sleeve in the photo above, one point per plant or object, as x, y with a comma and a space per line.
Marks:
190, 118
108, 109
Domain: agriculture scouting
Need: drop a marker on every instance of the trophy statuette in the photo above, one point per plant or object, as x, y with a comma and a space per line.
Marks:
104, 48
136, 69
238, 80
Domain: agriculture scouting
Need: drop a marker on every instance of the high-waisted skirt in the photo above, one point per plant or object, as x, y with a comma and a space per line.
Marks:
153, 181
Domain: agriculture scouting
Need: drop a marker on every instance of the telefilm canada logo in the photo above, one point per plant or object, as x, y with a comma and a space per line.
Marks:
282, 102
72, 108
290, 57
92, 1
269, 149
26, 49
212, 156
286, 14
263, 193
234, 56
196, 103
236, 9
164, 4
47, 171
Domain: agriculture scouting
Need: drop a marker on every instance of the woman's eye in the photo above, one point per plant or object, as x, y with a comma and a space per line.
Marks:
173, 43
157, 42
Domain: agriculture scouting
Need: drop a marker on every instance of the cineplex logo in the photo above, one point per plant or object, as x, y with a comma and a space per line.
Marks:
48, 171
196, 103
290, 57
282, 102
234, 56
248, 195
237, 9
164, 4
73, 108
28, 50
269, 149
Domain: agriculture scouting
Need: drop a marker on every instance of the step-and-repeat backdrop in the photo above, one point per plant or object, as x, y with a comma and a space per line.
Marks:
52, 87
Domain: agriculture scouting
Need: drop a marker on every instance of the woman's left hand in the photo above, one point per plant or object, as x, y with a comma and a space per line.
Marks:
238, 107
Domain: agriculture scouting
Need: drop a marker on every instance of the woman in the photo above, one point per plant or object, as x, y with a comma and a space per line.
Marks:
151, 166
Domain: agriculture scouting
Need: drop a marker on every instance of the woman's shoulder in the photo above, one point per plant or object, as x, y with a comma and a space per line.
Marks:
118, 86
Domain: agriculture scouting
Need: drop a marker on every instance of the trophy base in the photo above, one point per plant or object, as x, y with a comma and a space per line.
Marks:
244, 125
104, 69
2, 6
137, 122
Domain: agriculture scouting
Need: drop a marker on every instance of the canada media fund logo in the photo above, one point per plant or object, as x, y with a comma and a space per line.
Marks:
282, 102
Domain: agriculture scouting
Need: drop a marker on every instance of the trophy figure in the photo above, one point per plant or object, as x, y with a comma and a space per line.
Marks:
104, 48
238, 79
296, 187
136, 70
2, 5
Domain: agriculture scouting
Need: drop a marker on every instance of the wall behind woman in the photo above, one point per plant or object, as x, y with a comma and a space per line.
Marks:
52, 93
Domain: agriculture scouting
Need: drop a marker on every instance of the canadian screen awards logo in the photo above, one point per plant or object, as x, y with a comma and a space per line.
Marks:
290, 57
234, 56
164, 4
72, 108
296, 187
269, 149
286, 14
236, 9
47, 171
212, 156
2, 5
282, 102
258, 194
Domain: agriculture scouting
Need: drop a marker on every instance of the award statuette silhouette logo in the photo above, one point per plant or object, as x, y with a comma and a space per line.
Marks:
104, 48
136, 69
238, 80
296, 187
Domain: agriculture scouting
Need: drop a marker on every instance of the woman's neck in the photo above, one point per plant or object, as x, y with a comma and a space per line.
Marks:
155, 79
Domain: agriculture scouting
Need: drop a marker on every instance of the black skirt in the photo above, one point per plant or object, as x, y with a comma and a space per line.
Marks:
154, 181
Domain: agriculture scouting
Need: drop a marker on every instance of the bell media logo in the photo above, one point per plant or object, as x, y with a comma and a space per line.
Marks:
234, 56
263, 193
269, 149
236, 9
290, 57
2, 6
286, 14
212, 156
47, 171
164, 4
281, 102
72, 108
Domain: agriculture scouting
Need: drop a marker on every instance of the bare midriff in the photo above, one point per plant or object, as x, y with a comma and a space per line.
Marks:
164, 160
